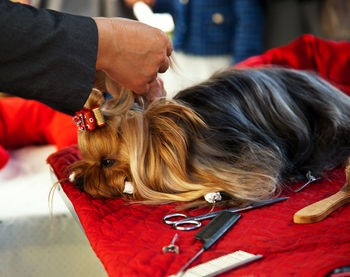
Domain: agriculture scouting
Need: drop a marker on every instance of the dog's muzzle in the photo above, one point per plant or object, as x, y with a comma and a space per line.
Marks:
79, 182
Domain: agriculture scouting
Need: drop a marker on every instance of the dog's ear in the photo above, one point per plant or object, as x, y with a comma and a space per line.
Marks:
166, 134
171, 116
168, 139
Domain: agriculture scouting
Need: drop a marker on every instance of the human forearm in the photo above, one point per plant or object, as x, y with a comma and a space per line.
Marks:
47, 56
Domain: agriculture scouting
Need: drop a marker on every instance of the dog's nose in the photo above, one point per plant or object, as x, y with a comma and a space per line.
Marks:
79, 182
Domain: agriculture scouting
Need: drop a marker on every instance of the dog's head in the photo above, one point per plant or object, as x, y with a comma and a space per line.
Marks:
143, 146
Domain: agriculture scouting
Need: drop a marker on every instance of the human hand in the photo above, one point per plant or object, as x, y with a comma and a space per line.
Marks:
156, 90
132, 53
104, 83
130, 3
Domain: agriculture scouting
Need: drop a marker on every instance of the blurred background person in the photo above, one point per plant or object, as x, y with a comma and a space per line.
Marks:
289, 19
209, 36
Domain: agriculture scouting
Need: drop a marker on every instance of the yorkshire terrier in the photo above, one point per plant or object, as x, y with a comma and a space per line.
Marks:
244, 133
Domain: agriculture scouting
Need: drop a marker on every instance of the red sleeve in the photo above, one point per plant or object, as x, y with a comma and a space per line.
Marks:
4, 157
27, 122
330, 59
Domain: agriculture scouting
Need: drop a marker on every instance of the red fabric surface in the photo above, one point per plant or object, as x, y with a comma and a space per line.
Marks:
27, 122
330, 59
128, 239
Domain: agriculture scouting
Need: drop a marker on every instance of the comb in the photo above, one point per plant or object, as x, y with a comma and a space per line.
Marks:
221, 264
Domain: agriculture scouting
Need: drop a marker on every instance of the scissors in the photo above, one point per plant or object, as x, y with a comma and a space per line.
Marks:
195, 223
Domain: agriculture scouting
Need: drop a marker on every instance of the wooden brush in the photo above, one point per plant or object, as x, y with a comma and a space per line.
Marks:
321, 209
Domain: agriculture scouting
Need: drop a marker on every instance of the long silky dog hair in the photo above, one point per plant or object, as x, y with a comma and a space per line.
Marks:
243, 132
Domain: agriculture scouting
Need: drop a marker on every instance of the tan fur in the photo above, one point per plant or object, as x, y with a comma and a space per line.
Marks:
150, 148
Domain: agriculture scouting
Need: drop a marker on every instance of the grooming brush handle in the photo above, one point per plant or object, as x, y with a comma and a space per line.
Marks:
346, 187
321, 209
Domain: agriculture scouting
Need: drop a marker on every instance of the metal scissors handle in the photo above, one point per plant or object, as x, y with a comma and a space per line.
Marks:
194, 221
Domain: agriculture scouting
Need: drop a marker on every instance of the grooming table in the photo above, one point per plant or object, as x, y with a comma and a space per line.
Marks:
128, 239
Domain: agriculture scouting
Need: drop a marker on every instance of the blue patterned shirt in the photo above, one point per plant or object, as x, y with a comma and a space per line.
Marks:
216, 27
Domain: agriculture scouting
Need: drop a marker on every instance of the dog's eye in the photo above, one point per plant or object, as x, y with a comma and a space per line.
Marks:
107, 162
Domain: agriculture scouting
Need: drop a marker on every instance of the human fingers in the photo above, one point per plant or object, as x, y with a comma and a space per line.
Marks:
167, 45
152, 90
164, 66
140, 89
156, 90
169, 48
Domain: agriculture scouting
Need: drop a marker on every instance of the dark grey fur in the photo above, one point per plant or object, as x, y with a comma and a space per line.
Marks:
283, 121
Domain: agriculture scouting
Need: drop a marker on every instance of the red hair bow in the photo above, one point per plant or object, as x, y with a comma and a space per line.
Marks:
89, 119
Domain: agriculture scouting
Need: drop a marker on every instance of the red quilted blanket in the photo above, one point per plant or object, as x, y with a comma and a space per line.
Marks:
128, 239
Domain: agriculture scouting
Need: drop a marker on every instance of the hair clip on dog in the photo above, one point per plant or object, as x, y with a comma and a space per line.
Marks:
89, 119
128, 188
213, 197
